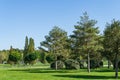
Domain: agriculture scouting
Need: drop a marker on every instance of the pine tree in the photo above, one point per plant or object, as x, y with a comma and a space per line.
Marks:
85, 38
56, 43
112, 43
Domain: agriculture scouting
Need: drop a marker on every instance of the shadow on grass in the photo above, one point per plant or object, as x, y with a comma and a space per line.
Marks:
104, 70
86, 76
39, 70
48, 70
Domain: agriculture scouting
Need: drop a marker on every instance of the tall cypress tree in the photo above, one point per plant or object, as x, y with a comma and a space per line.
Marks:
26, 47
31, 45
29, 51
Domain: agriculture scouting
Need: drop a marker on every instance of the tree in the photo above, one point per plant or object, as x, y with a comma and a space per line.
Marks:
30, 55
25, 52
31, 46
85, 38
31, 58
14, 56
56, 43
4, 56
112, 42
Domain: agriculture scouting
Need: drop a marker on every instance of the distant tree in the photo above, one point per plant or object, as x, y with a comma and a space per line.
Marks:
31, 46
56, 43
1, 59
85, 38
43, 57
112, 43
4, 56
14, 56
31, 58
30, 54
25, 52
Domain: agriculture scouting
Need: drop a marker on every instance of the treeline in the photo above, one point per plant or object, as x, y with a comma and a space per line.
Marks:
84, 46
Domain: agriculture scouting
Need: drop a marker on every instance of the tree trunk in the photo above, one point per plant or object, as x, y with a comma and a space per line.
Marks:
56, 63
88, 62
116, 66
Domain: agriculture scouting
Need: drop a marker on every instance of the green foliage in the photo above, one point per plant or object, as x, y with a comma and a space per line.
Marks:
72, 64
4, 56
30, 58
31, 46
111, 43
95, 64
56, 43
60, 65
42, 57
85, 38
81, 63
50, 58
25, 52
28, 49
14, 56
119, 64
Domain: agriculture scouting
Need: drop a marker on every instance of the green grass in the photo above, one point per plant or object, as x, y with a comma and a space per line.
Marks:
42, 72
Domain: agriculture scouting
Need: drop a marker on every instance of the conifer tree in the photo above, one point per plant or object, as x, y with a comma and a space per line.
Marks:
85, 38
56, 43
25, 52
31, 46
112, 43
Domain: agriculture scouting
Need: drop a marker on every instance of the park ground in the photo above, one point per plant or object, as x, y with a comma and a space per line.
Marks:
43, 72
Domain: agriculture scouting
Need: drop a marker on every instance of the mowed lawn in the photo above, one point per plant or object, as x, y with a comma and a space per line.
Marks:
44, 73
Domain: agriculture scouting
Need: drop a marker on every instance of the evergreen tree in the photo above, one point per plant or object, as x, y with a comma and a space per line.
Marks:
112, 43
56, 43
85, 38
31, 46
30, 55
25, 52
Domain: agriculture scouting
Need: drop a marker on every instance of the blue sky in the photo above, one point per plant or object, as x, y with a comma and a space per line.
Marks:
35, 18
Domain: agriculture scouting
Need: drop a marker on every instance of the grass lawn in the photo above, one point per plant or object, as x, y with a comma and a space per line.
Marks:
43, 72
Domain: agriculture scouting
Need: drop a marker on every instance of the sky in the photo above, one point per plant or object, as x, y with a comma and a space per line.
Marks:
35, 18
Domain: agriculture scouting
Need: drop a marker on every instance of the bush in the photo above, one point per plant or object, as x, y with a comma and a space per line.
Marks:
30, 58
81, 63
119, 64
50, 58
14, 57
60, 65
101, 64
42, 57
95, 64
72, 64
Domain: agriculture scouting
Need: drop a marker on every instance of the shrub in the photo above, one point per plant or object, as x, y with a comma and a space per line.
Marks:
101, 64
81, 63
72, 64
95, 64
60, 65
14, 57
30, 58
50, 58
119, 64
42, 57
